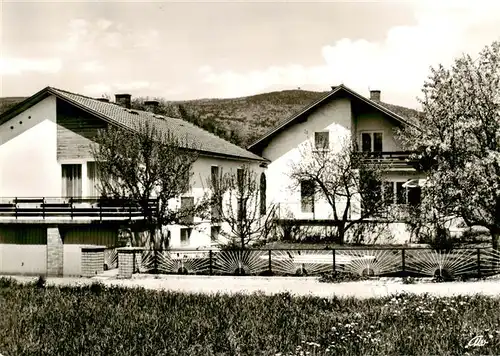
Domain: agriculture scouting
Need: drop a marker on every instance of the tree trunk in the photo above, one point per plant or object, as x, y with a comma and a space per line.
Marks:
341, 233
152, 242
495, 236
242, 236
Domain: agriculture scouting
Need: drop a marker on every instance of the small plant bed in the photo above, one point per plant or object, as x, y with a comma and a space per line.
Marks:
281, 245
339, 277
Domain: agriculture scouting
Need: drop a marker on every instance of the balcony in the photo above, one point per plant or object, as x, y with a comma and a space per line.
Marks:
72, 209
391, 160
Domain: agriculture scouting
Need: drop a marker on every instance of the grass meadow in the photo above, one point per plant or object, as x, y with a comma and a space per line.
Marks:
99, 320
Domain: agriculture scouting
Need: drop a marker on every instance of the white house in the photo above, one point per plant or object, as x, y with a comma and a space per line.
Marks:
341, 113
47, 173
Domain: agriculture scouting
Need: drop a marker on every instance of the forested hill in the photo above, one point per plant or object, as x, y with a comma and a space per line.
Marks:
239, 120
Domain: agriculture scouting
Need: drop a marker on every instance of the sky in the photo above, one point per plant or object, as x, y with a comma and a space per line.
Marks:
189, 50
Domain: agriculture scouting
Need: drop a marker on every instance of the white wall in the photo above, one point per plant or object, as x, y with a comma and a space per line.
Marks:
72, 260
28, 163
285, 149
23, 259
374, 121
201, 233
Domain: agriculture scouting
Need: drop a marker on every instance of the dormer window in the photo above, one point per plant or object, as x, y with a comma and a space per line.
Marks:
322, 140
371, 141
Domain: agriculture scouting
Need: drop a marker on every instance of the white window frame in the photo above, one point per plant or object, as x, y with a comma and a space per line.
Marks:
372, 137
394, 185
64, 188
189, 231
325, 147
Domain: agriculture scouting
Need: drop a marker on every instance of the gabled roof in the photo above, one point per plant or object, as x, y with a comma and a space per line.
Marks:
205, 142
393, 111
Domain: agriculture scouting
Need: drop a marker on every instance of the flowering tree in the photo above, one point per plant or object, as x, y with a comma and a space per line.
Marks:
458, 140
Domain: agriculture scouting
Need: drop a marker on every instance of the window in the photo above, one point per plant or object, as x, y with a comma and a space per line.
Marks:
187, 204
414, 195
241, 213
322, 140
388, 192
214, 176
307, 196
377, 142
263, 193
400, 193
216, 208
395, 193
185, 236
371, 141
240, 174
217, 201
92, 180
241, 204
72, 180
214, 233
366, 142
372, 193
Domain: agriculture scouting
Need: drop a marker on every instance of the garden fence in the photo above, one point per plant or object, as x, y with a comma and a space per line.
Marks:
470, 262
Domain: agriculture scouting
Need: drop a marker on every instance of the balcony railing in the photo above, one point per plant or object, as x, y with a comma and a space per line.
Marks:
74, 208
391, 159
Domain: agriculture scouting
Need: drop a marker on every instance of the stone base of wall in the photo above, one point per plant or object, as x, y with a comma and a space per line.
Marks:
92, 260
129, 261
55, 252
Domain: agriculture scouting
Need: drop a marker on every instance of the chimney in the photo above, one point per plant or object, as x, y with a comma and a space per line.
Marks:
123, 100
104, 100
151, 105
375, 95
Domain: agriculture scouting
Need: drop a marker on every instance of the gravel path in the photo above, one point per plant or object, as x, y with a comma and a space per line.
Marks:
301, 286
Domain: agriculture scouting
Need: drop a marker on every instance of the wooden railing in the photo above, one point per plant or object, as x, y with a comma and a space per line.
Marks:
75, 207
396, 159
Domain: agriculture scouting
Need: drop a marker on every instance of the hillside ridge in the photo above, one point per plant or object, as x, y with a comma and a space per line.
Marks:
240, 120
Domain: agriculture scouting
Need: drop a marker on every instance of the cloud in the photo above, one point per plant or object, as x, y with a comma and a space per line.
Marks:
103, 24
397, 65
15, 66
91, 67
134, 87
78, 29
97, 89
205, 69
91, 37
146, 39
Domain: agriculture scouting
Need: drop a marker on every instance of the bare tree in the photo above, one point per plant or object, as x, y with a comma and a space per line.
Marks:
347, 180
147, 163
239, 204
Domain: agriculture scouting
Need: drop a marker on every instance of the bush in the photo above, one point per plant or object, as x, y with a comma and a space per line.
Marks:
8, 282
471, 235
440, 240
40, 282
339, 277
409, 280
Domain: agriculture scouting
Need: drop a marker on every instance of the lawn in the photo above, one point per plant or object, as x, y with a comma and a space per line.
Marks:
98, 320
